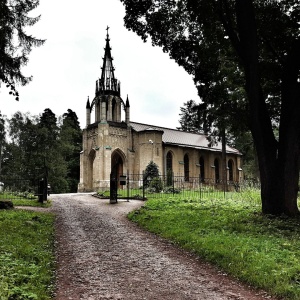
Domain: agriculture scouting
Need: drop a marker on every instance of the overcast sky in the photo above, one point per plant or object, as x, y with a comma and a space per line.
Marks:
65, 69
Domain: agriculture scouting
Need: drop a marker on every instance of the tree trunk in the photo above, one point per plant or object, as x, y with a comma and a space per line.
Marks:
289, 131
224, 164
278, 163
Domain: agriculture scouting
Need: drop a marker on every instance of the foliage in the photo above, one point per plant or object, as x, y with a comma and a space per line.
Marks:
41, 145
193, 119
6, 204
26, 255
151, 171
104, 194
151, 178
243, 55
30, 202
71, 138
171, 190
262, 251
2, 138
155, 185
189, 118
15, 43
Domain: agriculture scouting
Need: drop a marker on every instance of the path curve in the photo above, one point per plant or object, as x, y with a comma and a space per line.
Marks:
102, 255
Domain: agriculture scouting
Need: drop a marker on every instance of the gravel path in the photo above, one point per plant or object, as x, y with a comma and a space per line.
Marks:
101, 255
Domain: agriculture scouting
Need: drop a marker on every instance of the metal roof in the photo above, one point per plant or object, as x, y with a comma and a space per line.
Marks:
182, 139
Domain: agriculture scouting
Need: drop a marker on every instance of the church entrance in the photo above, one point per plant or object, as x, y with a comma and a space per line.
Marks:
116, 165
116, 172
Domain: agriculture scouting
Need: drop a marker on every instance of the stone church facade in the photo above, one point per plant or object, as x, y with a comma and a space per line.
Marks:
122, 147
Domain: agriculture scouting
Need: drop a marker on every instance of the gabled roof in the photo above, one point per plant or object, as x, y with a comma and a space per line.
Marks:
182, 138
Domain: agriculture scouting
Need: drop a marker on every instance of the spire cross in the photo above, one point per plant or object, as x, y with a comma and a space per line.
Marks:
107, 31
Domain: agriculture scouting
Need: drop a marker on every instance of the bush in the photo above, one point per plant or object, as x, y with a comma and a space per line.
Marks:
171, 190
103, 194
6, 204
156, 185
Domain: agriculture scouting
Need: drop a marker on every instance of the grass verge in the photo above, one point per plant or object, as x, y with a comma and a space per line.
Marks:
34, 203
260, 250
26, 254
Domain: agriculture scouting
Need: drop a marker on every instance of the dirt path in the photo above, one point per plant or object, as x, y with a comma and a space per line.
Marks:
101, 255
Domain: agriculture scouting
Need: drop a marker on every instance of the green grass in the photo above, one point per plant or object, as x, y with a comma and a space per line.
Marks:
34, 203
26, 255
232, 234
17, 195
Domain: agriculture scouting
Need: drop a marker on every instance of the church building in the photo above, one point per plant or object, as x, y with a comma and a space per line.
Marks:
123, 147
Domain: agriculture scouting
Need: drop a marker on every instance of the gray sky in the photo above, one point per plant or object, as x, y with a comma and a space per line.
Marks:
65, 69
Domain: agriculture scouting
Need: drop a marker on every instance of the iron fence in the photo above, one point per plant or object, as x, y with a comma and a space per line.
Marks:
18, 188
138, 186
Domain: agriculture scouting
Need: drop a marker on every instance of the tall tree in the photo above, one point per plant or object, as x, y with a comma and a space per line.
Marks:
189, 118
21, 151
2, 138
15, 43
259, 42
71, 139
50, 149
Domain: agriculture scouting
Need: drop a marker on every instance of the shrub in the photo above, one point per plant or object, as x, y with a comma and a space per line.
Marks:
156, 185
171, 190
6, 204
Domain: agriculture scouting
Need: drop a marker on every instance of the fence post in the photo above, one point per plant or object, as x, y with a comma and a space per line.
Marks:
173, 183
127, 185
200, 182
113, 198
143, 185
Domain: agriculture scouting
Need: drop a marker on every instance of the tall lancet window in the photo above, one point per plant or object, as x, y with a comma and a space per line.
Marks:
186, 162
202, 169
217, 171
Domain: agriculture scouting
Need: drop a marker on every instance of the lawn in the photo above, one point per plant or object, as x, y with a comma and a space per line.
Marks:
27, 261
231, 233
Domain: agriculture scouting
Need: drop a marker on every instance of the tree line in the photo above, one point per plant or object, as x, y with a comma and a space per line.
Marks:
32, 146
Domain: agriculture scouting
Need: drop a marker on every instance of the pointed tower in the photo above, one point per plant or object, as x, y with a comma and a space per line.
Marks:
107, 101
88, 112
108, 84
107, 142
127, 111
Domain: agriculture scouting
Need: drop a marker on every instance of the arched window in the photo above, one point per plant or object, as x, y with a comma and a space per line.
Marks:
202, 172
169, 168
186, 167
217, 170
230, 170
169, 162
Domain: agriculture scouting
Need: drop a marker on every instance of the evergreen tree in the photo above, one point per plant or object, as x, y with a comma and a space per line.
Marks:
37, 147
50, 149
15, 43
2, 139
189, 118
71, 139
151, 170
21, 153
151, 177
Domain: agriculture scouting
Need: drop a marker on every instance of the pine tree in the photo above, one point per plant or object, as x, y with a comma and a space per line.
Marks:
15, 43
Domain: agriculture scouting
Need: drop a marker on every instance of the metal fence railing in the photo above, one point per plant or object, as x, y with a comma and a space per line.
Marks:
17, 188
137, 186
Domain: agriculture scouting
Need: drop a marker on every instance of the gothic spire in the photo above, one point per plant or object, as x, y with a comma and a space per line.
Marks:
88, 105
108, 84
127, 102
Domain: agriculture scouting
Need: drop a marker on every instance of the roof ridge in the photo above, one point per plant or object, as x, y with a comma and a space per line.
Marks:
178, 130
